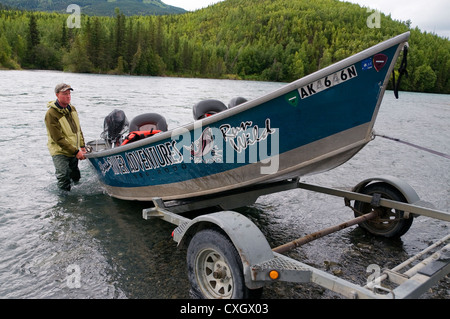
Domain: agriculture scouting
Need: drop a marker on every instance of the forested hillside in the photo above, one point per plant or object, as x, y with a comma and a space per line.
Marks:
97, 7
275, 40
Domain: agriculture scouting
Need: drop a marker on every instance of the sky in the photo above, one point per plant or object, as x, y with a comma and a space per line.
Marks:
430, 16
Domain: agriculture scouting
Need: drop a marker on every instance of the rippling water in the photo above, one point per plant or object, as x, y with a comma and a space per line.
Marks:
45, 236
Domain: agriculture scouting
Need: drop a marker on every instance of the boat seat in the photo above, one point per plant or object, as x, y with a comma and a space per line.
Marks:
236, 101
148, 122
207, 108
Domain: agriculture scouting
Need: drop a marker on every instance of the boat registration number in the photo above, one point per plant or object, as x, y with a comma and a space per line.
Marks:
327, 82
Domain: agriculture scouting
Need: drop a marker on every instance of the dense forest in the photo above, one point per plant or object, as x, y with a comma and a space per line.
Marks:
98, 7
273, 40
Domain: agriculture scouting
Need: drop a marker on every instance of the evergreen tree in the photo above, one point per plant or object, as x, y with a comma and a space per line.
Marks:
120, 45
5, 52
32, 41
94, 43
64, 36
77, 60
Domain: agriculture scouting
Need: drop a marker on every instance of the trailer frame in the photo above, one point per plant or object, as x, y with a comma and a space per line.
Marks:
262, 264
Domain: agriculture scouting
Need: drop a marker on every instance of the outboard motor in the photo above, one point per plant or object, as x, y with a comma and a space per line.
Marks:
207, 108
114, 127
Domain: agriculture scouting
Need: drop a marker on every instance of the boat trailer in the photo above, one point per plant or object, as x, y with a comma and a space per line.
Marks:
229, 257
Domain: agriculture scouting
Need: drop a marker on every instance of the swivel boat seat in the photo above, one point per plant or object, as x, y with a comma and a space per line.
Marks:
236, 101
207, 108
145, 125
147, 122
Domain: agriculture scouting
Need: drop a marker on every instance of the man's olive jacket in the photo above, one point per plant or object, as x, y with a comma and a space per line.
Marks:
63, 130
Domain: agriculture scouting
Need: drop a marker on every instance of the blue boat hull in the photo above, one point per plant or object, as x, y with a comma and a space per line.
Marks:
309, 126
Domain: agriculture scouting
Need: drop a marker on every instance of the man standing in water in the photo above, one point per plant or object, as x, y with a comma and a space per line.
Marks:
65, 138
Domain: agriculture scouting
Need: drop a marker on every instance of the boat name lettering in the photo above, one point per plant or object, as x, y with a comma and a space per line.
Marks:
328, 82
242, 136
168, 154
143, 159
116, 163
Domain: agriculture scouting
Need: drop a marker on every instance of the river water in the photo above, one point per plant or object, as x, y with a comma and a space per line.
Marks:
46, 237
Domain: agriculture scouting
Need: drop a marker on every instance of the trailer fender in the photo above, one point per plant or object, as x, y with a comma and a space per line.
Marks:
248, 239
407, 191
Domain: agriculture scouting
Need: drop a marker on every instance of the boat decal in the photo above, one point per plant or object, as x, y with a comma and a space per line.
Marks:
210, 145
153, 157
116, 163
380, 60
292, 98
246, 134
327, 82
208, 148
144, 159
204, 149
367, 64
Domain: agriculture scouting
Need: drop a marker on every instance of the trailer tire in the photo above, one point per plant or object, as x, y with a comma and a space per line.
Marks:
215, 267
391, 222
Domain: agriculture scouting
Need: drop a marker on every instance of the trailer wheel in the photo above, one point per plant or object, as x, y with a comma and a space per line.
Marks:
391, 222
215, 267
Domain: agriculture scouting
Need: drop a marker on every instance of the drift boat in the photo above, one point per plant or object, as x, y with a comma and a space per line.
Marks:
306, 127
